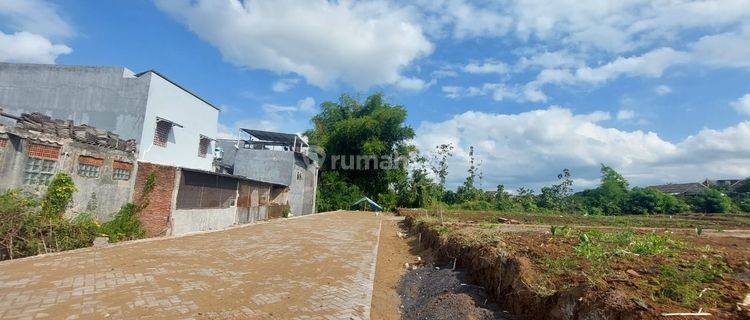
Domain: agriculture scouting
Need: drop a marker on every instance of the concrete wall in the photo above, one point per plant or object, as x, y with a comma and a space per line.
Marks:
167, 101
192, 220
265, 165
102, 196
109, 98
303, 187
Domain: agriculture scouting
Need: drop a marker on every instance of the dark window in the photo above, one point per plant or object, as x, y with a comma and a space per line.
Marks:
204, 191
161, 135
203, 145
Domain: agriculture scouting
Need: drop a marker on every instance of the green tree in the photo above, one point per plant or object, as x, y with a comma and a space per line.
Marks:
468, 191
608, 198
503, 200
557, 196
335, 193
526, 199
349, 128
440, 157
711, 201
653, 201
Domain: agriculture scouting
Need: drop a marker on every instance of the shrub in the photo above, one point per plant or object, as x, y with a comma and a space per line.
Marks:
59, 193
711, 201
125, 225
652, 201
15, 209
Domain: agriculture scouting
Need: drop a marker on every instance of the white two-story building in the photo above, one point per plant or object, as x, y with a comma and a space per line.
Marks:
170, 124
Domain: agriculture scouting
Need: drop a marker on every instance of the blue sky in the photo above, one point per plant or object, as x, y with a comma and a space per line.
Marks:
657, 89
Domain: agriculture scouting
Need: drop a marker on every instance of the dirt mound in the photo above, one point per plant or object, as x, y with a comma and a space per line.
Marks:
439, 293
594, 274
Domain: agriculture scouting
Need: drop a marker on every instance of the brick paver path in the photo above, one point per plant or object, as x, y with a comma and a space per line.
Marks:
313, 267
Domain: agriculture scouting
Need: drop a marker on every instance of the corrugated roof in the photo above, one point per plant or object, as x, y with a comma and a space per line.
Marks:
289, 138
680, 188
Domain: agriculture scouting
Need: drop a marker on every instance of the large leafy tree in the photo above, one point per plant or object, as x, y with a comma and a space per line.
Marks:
371, 128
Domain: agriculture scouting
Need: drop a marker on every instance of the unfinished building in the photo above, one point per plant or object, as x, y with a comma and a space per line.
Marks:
99, 162
278, 158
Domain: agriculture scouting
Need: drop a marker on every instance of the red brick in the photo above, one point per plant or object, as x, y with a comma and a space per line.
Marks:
91, 161
155, 216
122, 165
44, 151
3, 143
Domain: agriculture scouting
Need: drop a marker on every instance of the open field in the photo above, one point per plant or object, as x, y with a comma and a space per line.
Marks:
596, 269
715, 221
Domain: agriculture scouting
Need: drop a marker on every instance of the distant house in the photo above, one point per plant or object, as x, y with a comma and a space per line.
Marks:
692, 188
728, 184
278, 158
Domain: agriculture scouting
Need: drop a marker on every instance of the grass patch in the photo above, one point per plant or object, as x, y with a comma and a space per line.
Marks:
686, 285
559, 265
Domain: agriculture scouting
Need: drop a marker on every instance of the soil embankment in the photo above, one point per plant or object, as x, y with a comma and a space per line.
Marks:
423, 291
593, 274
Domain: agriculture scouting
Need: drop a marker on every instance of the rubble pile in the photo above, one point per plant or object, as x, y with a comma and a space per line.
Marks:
66, 129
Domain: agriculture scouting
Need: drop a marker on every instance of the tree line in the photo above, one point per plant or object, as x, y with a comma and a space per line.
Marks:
375, 127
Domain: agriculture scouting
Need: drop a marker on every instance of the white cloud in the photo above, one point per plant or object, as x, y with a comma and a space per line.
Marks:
452, 92
37, 27
742, 105
530, 148
30, 48
625, 114
462, 19
622, 25
486, 67
360, 43
283, 85
549, 60
414, 84
306, 105
649, 64
34, 16
652, 64
662, 90
731, 49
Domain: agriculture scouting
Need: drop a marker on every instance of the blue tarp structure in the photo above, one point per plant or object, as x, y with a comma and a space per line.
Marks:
365, 201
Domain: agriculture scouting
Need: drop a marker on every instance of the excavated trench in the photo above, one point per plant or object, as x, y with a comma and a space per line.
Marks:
508, 280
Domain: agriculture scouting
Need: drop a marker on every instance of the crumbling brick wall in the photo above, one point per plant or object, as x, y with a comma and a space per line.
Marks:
155, 216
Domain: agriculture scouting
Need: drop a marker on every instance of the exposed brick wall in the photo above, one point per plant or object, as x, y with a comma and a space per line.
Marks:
91, 161
122, 165
44, 151
3, 142
155, 217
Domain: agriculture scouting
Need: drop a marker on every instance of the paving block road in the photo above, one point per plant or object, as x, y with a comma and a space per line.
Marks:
313, 267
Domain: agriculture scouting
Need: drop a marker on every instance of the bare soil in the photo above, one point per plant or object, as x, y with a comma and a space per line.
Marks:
393, 253
720, 222
540, 276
